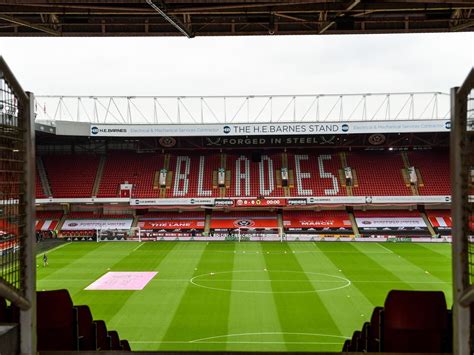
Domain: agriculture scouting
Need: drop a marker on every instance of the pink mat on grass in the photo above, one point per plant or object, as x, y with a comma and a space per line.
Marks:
113, 280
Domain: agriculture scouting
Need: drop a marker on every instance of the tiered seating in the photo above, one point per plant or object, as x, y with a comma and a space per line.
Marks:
136, 169
71, 176
434, 169
38, 187
63, 327
93, 215
324, 174
178, 188
387, 213
410, 322
47, 221
49, 214
253, 186
378, 174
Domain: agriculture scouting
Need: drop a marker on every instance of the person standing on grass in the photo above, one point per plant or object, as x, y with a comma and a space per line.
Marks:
45, 260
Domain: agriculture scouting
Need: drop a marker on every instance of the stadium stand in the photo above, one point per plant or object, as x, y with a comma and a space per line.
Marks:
71, 176
378, 174
434, 171
39, 187
311, 173
47, 221
136, 169
315, 174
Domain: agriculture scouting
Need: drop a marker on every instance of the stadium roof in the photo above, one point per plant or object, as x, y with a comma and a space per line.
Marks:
231, 18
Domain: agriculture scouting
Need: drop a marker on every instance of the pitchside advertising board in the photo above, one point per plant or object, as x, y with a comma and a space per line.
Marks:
264, 129
387, 225
97, 224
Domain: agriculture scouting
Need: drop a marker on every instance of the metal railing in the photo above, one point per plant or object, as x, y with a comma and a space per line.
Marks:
17, 241
462, 177
244, 109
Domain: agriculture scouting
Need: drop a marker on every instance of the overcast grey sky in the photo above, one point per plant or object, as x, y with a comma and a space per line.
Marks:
240, 65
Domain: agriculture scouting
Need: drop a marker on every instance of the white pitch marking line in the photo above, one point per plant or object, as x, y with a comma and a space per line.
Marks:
387, 249
234, 280
266, 333
51, 250
138, 247
347, 284
236, 342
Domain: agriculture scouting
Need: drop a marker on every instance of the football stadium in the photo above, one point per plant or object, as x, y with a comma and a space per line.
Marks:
312, 223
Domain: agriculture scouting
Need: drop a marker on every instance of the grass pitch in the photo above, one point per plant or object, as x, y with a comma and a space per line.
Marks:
244, 296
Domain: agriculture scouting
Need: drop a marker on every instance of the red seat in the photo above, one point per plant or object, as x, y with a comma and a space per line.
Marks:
375, 330
86, 328
114, 340
415, 321
56, 323
125, 345
103, 339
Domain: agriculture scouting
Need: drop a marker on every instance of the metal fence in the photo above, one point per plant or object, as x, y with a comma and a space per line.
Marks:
462, 177
17, 267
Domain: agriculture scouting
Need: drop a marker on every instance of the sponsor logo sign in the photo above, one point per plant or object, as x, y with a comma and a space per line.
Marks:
390, 222
244, 223
171, 201
223, 202
297, 202
268, 129
92, 224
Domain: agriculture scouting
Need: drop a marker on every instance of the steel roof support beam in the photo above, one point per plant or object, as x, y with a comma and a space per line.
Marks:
29, 24
351, 5
160, 8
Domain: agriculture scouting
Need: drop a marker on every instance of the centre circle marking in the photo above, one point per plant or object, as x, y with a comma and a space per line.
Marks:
195, 281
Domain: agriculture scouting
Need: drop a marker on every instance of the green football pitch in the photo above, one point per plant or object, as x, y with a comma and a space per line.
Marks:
244, 296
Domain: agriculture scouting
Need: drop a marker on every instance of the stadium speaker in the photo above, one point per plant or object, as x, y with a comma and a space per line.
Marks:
256, 157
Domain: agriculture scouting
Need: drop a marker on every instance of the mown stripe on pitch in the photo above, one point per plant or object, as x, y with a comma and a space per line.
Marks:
203, 312
298, 312
427, 266
61, 259
358, 266
349, 306
443, 249
253, 312
148, 312
109, 305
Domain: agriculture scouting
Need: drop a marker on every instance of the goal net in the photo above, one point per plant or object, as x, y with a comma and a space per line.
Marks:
273, 234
